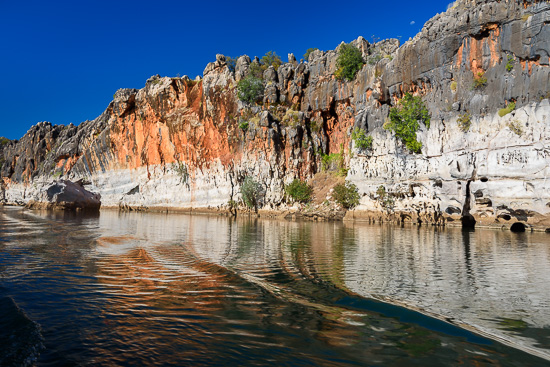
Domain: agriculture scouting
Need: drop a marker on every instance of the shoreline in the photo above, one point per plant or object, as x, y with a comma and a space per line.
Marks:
298, 214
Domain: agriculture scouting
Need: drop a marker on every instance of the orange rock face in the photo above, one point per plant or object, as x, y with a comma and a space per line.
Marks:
168, 122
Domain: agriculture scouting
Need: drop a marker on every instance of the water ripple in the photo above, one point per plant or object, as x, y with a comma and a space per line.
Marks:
149, 289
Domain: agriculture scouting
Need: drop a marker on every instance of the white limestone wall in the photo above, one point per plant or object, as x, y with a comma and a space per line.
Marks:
509, 169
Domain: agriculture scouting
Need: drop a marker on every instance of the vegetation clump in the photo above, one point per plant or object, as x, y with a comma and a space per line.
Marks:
513, 324
384, 198
231, 63
329, 160
373, 59
291, 118
251, 192
516, 127
299, 191
510, 63
361, 139
250, 89
182, 171
480, 80
255, 69
315, 124
3, 141
454, 85
271, 59
404, 121
506, 110
243, 125
349, 62
346, 195
464, 121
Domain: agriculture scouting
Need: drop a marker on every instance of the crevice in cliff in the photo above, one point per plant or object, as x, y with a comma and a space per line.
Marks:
468, 221
174, 85
327, 116
485, 31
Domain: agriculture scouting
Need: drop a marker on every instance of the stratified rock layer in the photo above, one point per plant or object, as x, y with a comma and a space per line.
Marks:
176, 143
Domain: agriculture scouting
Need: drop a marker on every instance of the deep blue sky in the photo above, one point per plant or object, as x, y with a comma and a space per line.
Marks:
62, 61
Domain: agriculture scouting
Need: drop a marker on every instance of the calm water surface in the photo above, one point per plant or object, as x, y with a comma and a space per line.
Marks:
125, 289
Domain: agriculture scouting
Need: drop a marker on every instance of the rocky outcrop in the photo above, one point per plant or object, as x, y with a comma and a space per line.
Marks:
65, 195
182, 144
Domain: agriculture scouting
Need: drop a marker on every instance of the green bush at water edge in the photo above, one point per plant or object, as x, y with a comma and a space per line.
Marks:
300, 191
346, 195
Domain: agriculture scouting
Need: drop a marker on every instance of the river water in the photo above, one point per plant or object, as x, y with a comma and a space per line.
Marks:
124, 289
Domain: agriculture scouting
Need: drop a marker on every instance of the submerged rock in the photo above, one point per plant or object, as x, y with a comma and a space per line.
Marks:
66, 195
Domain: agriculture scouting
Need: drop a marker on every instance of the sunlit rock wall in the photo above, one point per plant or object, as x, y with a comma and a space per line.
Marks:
176, 143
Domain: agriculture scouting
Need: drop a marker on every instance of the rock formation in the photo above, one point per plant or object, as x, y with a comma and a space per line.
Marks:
66, 195
177, 144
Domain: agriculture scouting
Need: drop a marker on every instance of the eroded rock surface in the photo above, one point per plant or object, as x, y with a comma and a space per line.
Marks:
176, 143
65, 195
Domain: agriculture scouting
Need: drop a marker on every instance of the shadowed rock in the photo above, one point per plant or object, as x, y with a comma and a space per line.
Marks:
66, 195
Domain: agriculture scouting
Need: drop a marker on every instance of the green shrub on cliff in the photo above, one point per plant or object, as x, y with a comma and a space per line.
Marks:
404, 121
255, 70
251, 192
480, 80
299, 191
510, 63
346, 195
271, 59
361, 139
334, 162
384, 198
464, 121
250, 89
182, 171
327, 160
454, 85
3, 141
516, 127
231, 63
504, 111
243, 125
349, 62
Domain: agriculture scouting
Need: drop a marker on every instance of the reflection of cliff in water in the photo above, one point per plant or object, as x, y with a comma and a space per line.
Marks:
475, 277
210, 290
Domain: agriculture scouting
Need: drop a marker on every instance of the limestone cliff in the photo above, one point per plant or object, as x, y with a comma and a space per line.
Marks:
176, 143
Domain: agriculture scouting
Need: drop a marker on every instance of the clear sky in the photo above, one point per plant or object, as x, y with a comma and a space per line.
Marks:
62, 61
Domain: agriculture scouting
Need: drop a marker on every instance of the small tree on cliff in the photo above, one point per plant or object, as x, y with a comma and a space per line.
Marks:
349, 62
231, 63
250, 89
405, 118
271, 59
